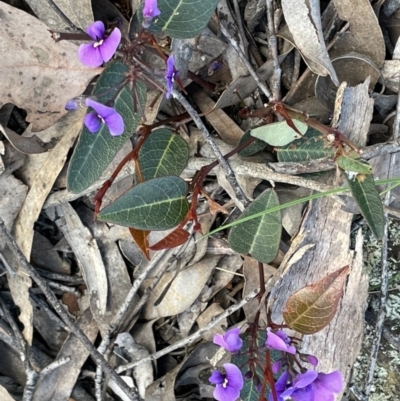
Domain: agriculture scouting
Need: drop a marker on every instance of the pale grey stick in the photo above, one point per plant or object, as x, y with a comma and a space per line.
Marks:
230, 175
194, 336
246, 62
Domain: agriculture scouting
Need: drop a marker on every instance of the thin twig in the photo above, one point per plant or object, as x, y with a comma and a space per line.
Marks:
56, 304
246, 62
239, 21
195, 336
230, 175
384, 273
273, 48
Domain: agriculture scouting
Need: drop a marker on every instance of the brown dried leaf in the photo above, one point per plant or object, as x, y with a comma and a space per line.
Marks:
140, 238
177, 237
41, 76
311, 308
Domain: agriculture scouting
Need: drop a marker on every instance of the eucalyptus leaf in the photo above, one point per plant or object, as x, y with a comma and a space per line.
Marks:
260, 236
279, 134
313, 146
349, 164
157, 204
94, 152
182, 19
253, 148
363, 188
163, 153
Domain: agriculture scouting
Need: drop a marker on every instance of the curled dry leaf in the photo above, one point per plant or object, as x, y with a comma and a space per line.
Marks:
311, 308
304, 22
47, 75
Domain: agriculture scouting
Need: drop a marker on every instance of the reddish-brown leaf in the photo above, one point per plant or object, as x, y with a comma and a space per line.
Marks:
178, 237
311, 308
140, 237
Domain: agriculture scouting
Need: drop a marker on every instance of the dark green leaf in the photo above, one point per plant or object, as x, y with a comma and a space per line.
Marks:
157, 204
352, 165
182, 19
253, 148
367, 197
259, 237
163, 153
279, 134
94, 152
315, 146
249, 391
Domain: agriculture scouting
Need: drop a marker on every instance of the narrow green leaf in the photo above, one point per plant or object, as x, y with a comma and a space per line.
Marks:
352, 165
253, 148
259, 237
182, 19
94, 152
279, 134
367, 197
163, 153
157, 204
315, 146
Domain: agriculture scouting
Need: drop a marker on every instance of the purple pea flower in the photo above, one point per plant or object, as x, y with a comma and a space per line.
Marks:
103, 115
102, 49
230, 340
170, 75
311, 386
279, 341
280, 386
150, 11
228, 385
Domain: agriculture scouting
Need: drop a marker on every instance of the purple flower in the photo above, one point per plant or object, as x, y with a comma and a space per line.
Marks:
170, 75
310, 386
280, 386
228, 385
103, 115
102, 49
230, 340
279, 341
312, 359
150, 10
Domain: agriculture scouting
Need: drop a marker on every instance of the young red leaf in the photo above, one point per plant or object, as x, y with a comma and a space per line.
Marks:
178, 237
311, 308
140, 237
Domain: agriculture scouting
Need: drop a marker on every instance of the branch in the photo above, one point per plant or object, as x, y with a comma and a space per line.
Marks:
246, 62
42, 284
230, 175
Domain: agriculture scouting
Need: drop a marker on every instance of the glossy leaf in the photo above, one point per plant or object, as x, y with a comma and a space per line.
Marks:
157, 204
140, 238
312, 308
163, 153
253, 148
178, 237
314, 146
349, 164
366, 195
94, 152
279, 134
260, 236
182, 19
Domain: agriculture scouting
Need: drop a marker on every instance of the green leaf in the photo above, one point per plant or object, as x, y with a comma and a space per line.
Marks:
253, 148
313, 307
157, 204
279, 134
182, 19
163, 153
367, 197
94, 152
351, 165
315, 146
249, 391
259, 237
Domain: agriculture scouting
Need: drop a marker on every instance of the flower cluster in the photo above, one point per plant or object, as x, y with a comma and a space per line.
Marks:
306, 385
